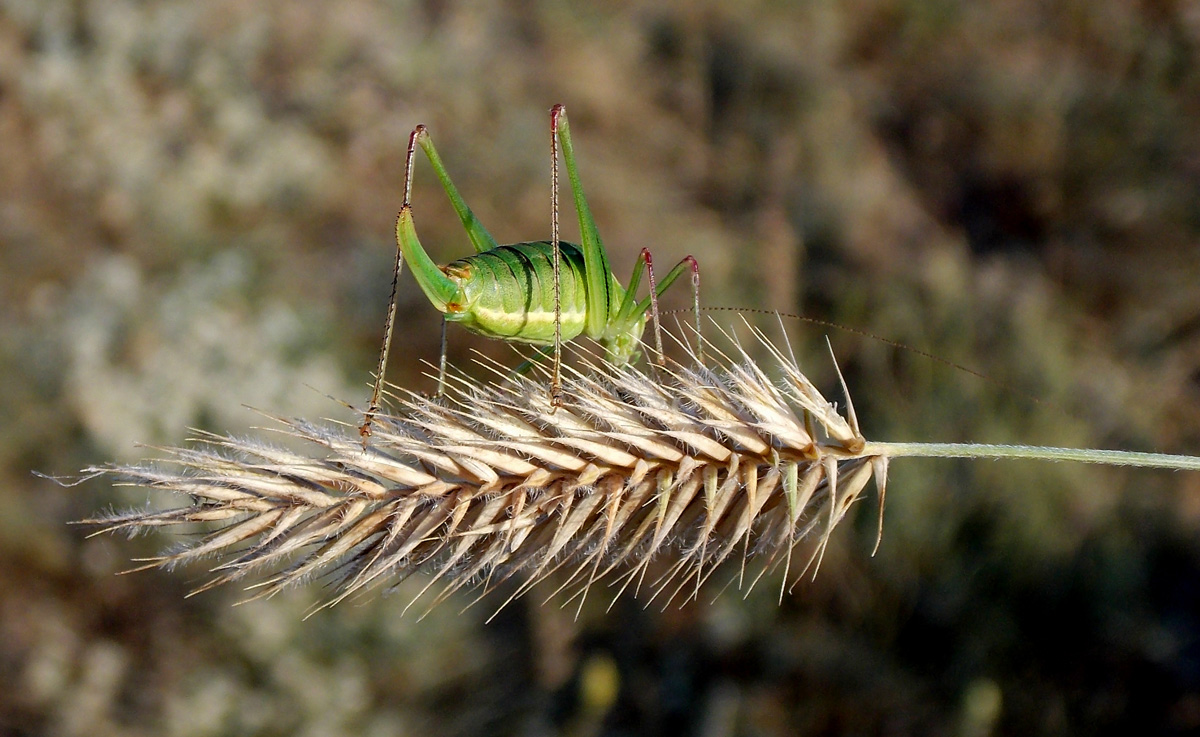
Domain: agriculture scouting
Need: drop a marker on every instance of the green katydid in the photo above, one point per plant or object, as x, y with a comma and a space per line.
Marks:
537, 292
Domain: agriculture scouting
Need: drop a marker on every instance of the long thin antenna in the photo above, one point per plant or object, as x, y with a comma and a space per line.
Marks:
886, 341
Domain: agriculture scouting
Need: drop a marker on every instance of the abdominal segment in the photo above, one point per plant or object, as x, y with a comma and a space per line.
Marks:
508, 292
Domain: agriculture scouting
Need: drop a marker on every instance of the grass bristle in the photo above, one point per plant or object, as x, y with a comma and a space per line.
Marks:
650, 479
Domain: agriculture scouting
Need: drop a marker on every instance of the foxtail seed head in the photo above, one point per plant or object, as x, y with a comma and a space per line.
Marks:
650, 481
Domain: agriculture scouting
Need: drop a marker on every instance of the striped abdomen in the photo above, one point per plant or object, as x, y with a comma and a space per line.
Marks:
508, 292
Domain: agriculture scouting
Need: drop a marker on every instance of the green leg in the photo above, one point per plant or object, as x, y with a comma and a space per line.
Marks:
599, 273
603, 314
629, 302
480, 238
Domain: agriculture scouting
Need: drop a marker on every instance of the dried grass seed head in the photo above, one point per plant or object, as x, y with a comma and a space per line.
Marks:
669, 472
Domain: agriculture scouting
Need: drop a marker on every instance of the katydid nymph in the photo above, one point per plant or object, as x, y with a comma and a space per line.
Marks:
537, 292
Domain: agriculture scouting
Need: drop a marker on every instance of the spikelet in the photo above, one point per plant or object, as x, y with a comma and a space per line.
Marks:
679, 469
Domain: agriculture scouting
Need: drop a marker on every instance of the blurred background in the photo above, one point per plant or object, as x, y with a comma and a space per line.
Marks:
196, 213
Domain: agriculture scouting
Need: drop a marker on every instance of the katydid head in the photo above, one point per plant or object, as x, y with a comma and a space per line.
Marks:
466, 290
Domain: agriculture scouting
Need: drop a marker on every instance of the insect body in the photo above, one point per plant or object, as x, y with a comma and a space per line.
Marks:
505, 293
537, 292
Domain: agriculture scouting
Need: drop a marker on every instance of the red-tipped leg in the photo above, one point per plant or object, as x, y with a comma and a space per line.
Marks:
654, 314
390, 322
691, 261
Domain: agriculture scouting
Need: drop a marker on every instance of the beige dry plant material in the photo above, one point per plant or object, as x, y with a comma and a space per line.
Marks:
672, 471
